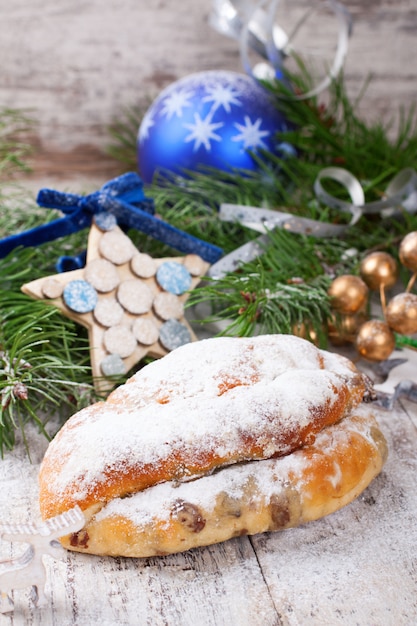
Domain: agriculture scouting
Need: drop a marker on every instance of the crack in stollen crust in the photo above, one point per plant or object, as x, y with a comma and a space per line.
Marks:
250, 498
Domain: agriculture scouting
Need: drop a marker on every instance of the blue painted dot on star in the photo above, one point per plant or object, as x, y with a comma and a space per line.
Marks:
173, 334
173, 277
80, 296
112, 365
105, 221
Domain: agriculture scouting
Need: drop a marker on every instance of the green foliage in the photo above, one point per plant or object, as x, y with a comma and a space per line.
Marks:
44, 357
13, 148
123, 133
43, 360
283, 291
331, 131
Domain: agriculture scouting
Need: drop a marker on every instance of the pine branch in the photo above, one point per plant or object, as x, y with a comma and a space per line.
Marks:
123, 133
14, 126
333, 133
43, 365
279, 292
44, 357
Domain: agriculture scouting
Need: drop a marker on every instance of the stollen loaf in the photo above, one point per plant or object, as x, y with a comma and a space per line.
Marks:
221, 437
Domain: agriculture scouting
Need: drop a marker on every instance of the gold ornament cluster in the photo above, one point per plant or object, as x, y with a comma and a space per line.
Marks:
375, 339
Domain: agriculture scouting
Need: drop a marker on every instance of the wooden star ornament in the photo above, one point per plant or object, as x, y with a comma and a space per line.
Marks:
131, 303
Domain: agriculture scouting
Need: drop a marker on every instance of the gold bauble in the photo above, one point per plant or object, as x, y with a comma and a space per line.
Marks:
375, 340
342, 329
401, 313
348, 294
379, 269
408, 251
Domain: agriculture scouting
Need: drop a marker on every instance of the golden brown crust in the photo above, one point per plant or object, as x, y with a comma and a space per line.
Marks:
205, 405
259, 496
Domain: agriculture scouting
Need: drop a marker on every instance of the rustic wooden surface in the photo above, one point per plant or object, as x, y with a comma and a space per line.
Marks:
355, 567
78, 65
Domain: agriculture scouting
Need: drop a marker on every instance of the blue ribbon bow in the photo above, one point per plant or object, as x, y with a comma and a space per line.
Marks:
124, 198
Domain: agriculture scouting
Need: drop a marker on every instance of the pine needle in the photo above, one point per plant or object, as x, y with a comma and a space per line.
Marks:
282, 290
14, 149
43, 366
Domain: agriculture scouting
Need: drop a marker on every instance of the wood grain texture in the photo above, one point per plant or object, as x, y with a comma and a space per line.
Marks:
76, 65
356, 566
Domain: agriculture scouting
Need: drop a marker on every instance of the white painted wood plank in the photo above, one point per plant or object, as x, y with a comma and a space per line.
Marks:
357, 566
409, 408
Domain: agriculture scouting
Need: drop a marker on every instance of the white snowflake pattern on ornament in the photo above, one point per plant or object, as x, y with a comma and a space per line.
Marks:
250, 134
145, 127
202, 131
221, 95
176, 102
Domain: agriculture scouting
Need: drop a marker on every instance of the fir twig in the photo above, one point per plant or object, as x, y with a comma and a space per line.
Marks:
123, 133
333, 133
283, 291
14, 125
44, 357
41, 370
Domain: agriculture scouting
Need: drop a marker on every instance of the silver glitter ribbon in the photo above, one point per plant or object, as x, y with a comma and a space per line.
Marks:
401, 194
254, 27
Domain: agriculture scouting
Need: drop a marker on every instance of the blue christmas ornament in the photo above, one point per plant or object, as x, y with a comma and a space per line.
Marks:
213, 118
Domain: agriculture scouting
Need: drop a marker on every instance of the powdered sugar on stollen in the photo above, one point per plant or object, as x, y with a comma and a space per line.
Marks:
206, 366
210, 395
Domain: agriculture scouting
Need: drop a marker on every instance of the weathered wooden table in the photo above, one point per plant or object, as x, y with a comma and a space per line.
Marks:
355, 567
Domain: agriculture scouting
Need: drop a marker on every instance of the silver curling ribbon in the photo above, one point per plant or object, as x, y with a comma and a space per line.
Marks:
401, 194
254, 27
